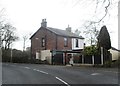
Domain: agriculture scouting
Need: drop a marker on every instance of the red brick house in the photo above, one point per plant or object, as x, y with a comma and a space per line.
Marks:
46, 42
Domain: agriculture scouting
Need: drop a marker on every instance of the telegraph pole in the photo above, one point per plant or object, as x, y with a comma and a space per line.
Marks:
0, 46
24, 41
0, 56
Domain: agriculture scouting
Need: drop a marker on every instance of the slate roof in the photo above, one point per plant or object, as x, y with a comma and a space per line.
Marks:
115, 49
63, 33
60, 32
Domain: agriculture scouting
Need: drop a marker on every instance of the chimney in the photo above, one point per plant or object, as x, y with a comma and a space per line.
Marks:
44, 23
68, 29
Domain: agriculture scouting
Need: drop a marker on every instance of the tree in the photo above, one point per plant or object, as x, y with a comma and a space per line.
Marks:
91, 50
104, 38
1, 11
91, 33
8, 35
100, 6
77, 32
104, 44
24, 42
102, 10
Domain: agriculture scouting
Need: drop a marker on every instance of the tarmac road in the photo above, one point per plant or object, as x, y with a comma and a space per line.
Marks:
13, 73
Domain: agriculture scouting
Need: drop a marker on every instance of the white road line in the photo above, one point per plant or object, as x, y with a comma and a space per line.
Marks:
40, 71
27, 67
43, 72
95, 74
34, 69
62, 81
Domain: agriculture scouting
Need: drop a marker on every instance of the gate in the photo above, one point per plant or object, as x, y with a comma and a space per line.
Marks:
57, 58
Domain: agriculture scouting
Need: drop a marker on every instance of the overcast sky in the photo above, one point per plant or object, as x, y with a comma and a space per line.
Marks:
26, 16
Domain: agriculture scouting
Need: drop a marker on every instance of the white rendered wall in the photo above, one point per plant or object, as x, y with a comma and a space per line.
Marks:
80, 44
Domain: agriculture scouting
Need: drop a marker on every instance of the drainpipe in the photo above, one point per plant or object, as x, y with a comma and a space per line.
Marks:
56, 42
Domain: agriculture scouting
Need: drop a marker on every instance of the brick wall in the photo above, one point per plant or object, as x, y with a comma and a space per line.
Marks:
51, 43
60, 43
50, 40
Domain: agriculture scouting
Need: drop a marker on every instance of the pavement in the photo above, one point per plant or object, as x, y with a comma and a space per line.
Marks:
14, 73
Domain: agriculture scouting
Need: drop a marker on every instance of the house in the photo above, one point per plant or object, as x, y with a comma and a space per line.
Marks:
115, 53
54, 44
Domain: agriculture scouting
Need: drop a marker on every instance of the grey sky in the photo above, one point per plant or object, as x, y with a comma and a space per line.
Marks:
26, 16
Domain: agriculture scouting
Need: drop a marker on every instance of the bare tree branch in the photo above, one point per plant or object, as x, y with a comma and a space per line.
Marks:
91, 25
8, 35
106, 12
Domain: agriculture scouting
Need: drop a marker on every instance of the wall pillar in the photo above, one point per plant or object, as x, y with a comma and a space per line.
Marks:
101, 55
93, 60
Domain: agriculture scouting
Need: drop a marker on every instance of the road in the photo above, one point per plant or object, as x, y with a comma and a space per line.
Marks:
13, 73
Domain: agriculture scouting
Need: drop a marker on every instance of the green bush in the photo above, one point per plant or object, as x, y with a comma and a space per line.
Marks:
18, 56
91, 50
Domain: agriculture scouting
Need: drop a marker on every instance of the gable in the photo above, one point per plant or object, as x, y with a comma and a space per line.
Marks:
34, 33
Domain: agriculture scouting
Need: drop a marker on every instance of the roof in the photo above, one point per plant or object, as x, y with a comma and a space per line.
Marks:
60, 32
63, 33
115, 49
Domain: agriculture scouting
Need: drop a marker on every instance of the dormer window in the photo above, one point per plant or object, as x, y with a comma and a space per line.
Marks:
76, 42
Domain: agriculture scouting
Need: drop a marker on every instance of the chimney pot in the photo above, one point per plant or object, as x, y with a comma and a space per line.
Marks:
68, 29
44, 23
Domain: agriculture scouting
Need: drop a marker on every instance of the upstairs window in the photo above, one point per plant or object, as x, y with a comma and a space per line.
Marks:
65, 42
43, 42
76, 42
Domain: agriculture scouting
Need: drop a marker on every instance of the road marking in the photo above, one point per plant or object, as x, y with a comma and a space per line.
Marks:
62, 81
27, 67
43, 72
95, 74
34, 69
40, 71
